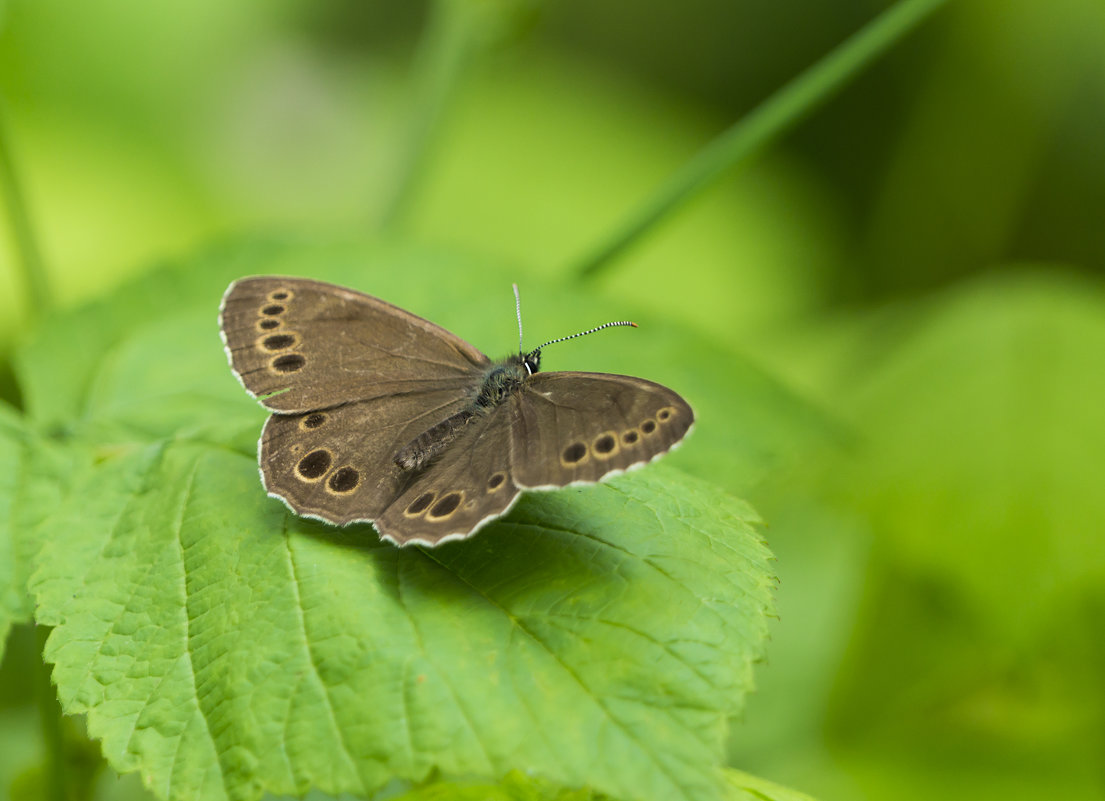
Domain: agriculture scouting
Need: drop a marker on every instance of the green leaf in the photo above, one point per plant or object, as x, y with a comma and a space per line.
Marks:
977, 657
32, 471
746, 787
520, 787
56, 370
599, 636
515, 786
986, 443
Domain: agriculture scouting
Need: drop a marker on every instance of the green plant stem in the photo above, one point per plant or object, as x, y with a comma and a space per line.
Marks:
29, 255
49, 714
439, 63
764, 124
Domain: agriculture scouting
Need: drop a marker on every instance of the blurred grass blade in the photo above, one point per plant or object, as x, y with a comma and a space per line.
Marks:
29, 255
764, 124
442, 53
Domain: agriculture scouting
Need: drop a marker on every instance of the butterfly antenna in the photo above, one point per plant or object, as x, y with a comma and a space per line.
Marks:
584, 333
518, 311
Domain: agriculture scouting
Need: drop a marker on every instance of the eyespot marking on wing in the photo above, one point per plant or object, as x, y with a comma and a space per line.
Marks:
574, 454
420, 504
445, 507
495, 481
343, 480
288, 363
314, 465
313, 420
278, 341
605, 445
630, 437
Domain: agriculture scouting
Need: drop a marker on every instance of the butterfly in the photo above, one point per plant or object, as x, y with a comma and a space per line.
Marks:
380, 416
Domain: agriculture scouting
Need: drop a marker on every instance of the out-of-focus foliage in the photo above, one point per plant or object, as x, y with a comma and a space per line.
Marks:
924, 258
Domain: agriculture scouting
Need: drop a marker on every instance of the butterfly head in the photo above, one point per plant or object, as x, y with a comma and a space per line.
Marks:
532, 361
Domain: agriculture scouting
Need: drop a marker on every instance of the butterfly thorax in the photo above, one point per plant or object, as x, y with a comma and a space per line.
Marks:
503, 379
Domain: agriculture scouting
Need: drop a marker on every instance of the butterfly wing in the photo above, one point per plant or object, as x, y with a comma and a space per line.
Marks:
338, 464
300, 345
469, 485
572, 427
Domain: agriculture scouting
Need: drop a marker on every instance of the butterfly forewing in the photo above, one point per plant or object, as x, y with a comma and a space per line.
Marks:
570, 426
470, 484
301, 345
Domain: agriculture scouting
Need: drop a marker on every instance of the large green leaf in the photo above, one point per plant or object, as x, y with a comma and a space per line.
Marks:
598, 636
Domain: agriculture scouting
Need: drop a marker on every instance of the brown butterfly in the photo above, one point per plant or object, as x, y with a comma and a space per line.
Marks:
380, 416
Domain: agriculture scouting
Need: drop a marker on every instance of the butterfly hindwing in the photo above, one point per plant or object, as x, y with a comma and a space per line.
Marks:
338, 464
300, 345
470, 484
578, 427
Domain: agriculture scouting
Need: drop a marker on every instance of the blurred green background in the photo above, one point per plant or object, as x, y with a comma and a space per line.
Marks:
922, 258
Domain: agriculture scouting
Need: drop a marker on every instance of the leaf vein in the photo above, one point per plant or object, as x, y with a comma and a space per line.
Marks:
301, 619
178, 531
609, 714
443, 675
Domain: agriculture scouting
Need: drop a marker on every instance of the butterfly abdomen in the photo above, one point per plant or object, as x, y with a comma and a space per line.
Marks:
421, 450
